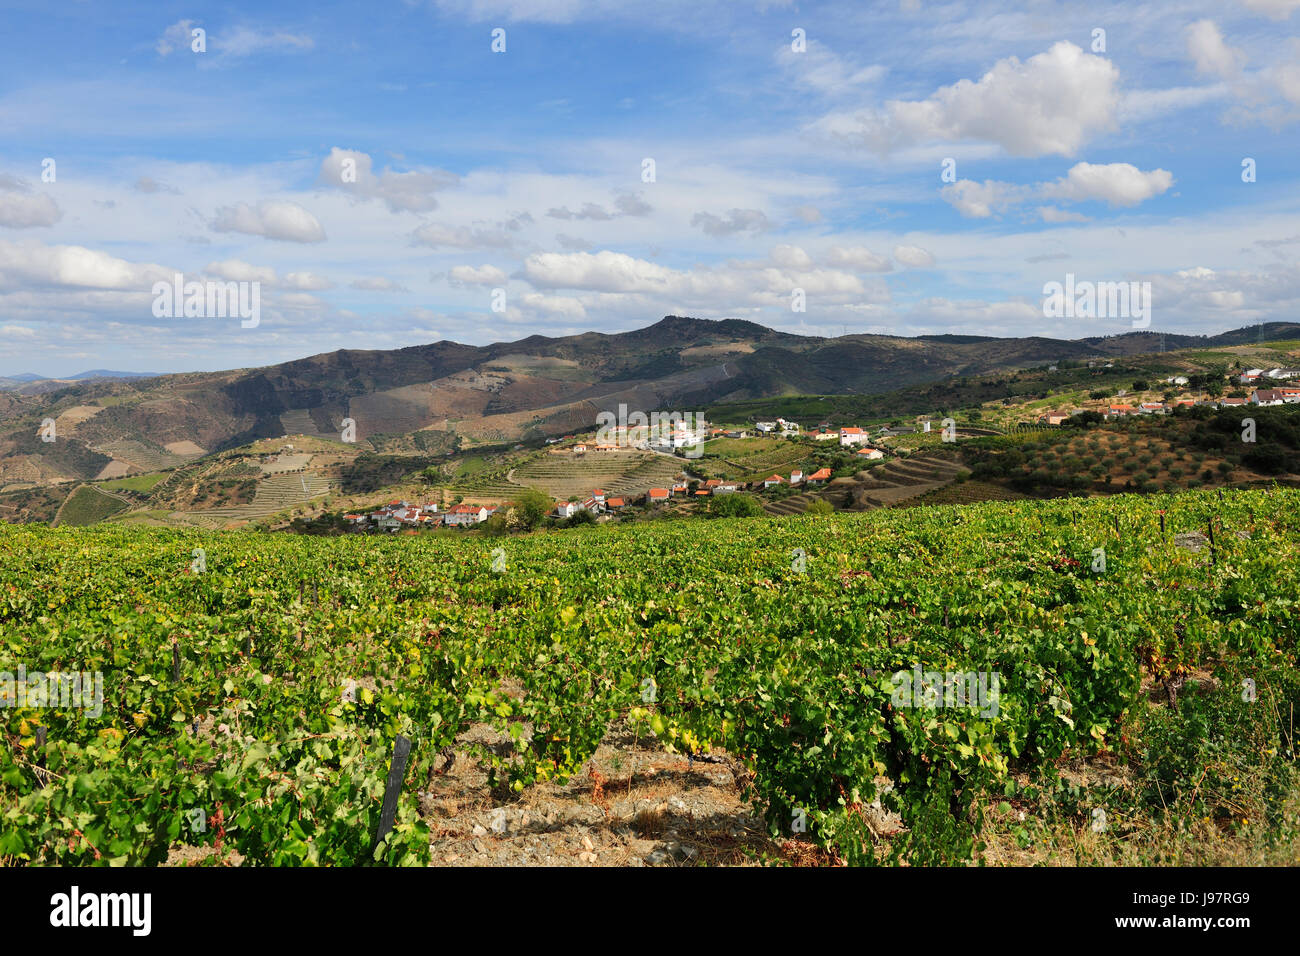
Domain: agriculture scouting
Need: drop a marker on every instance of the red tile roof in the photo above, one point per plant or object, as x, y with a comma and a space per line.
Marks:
819, 474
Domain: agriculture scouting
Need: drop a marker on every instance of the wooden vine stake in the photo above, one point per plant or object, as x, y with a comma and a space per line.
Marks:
396, 774
176, 660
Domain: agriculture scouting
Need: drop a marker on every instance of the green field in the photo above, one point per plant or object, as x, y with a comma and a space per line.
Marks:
141, 483
87, 505
779, 642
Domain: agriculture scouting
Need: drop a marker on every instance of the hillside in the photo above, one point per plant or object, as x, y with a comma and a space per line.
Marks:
426, 398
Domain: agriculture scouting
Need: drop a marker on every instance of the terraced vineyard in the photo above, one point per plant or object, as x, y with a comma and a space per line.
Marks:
263, 691
145, 456
616, 473
275, 493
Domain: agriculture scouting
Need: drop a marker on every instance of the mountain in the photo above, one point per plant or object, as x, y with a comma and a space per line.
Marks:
507, 391
106, 373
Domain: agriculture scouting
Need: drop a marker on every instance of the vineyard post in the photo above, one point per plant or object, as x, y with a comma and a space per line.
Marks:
176, 660
40, 759
1210, 524
1162, 525
396, 774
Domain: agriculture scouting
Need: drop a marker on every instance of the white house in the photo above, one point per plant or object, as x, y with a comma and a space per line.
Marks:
466, 515
852, 435
1268, 396
765, 427
567, 509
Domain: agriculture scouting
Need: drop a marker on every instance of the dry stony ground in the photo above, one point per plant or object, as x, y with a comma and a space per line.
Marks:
632, 805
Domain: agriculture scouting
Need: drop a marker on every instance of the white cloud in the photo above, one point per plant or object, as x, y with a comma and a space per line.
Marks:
460, 237
790, 257
1274, 9
913, 257
273, 219
979, 200
821, 69
1054, 102
352, 171
245, 41
733, 221
603, 271
22, 209
175, 37
477, 275
1210, 53
1120, 184
307, 282
561, 305
236, 270
858, 258
34, 263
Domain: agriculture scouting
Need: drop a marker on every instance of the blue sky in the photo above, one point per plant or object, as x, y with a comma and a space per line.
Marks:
776, 168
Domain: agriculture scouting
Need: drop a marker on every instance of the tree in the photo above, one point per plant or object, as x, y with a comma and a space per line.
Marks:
819, 506
735, 506
532, 508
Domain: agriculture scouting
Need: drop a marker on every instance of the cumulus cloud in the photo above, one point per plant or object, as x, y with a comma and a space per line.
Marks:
307, 282
914, 257
1206, 47
272, 219
412, 191
733, 221
572, 243
236, 270
979, 200
588, 211
1052, 103
477, 275
1119, 184
768, 282
857, 258
37, 264
23, 208
175, 37
625, 204
560, 305
790, 257
437, 236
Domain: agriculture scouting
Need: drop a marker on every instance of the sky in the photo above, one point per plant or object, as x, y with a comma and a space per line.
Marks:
398, 173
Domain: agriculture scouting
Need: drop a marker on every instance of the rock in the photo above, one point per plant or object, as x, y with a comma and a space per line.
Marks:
657, 858
480, 830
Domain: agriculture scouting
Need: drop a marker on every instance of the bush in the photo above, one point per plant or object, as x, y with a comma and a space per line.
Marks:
735, 506
819, 506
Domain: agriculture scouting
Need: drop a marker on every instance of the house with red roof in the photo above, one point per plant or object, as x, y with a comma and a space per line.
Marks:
819, 476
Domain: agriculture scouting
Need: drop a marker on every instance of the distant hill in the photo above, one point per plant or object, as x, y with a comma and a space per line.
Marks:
121, 422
